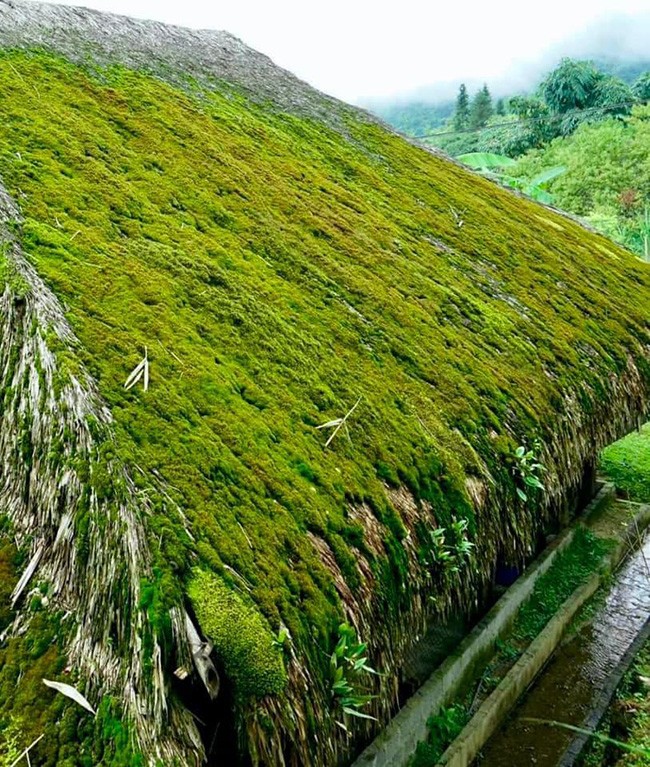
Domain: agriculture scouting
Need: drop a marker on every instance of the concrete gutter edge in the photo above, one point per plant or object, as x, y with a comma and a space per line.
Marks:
494, 710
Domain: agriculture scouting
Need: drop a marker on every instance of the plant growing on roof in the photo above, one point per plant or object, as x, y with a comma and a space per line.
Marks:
462, 545
527, 469
450, 548
348, 664
282, 640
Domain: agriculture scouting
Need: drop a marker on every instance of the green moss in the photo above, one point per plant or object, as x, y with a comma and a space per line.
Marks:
243, 641
9, 276
277, 271
627, 464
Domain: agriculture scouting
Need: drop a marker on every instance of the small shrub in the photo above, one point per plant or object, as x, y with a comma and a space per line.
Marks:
348, 665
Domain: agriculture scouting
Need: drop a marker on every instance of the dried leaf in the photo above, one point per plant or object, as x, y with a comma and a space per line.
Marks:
329, 424
70, 692
140, 371
135, 375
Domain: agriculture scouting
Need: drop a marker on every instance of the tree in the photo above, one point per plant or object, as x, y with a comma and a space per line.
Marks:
461, 115
641, 87
537, 125
500, 108
613, 96
481, 109
571, 85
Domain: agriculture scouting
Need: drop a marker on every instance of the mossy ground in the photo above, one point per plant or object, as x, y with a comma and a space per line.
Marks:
276, 271
627, 464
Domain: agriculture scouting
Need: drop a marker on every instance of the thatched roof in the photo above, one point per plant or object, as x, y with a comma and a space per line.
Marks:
280, 257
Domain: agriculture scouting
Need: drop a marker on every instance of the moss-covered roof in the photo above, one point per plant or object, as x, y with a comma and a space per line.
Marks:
277, 269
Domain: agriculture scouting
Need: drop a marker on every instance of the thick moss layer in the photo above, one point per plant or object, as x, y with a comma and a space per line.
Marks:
627, 464
242, 639
277, 271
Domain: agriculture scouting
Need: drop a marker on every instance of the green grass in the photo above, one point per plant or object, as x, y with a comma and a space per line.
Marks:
571, 568
627, 464
277, 271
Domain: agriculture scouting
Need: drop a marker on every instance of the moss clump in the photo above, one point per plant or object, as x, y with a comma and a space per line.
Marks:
627, 464
242, 639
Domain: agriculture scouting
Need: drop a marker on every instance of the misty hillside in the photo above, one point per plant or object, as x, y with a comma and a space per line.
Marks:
617, 45
423, 115
265, 367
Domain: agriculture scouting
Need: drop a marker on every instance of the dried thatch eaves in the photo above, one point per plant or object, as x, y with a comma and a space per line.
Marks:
281, 257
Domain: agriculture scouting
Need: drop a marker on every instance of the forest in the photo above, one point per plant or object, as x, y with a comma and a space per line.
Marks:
579, 141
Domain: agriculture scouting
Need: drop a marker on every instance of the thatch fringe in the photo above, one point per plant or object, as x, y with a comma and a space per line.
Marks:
54, 429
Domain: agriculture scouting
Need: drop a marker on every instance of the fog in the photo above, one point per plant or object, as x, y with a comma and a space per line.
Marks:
615, 39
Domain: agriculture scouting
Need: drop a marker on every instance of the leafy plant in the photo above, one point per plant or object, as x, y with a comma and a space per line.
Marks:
450, 549
443, 728
282, 640
506, 650
527, 470
486, 161
491, 165
462, 545
348, 664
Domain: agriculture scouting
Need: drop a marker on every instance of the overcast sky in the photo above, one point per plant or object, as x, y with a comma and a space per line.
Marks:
360, 50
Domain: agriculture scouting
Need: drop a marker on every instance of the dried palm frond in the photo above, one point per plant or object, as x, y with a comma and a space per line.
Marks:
70, 692
140, 371
338, 423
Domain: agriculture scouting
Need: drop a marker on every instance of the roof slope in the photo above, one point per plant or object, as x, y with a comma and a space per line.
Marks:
278, 268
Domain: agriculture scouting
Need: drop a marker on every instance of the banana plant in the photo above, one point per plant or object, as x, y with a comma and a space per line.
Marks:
493, 165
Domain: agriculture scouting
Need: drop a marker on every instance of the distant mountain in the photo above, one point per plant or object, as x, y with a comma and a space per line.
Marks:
416, 118
628, 70
617, 45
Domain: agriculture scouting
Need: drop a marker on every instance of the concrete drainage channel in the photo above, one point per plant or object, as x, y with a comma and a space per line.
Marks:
395, 746
580, 679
